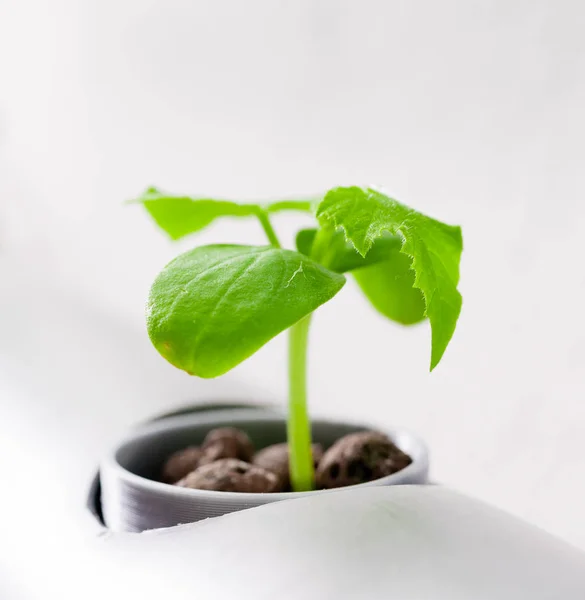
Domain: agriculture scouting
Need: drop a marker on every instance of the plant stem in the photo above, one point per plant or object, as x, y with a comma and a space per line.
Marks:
299, 205
268, 229
322, 245
302, 472
299, 428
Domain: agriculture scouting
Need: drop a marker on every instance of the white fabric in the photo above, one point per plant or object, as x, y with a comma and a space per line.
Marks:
73, 379
400, 543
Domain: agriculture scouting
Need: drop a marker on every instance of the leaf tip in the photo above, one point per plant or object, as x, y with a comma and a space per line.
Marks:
149, 194
458, 235
437, 353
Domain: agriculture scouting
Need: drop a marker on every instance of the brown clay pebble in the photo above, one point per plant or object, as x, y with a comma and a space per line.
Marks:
231, 475
360, 457
226, 442
181, 463
275, 458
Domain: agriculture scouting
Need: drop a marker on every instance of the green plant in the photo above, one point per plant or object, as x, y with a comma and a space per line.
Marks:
214, 306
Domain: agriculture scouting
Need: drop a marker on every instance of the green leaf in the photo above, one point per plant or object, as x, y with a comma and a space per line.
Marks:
341, 256
214, 306
434, 247
384, 275
304, 241
388, 285
179, 216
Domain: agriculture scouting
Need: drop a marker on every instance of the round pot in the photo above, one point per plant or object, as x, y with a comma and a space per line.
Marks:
132, 499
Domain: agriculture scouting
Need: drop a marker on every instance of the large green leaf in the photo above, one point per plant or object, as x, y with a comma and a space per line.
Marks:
434, 248
179, 216
214, 306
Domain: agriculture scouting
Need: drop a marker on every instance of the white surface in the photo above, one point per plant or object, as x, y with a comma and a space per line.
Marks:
471, 111
73, 379
401, 543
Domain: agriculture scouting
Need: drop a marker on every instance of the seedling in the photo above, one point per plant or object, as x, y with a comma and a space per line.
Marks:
214, 306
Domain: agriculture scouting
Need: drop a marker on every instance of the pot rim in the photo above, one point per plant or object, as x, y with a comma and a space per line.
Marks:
418, 452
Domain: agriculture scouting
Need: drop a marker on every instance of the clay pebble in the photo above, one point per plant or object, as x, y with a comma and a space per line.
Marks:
226, 442
359, 458
181, 463
231, 475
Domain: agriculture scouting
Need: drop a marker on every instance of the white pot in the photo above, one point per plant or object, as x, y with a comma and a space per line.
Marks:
132, 499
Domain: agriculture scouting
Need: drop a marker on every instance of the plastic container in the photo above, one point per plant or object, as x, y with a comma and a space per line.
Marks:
132, 499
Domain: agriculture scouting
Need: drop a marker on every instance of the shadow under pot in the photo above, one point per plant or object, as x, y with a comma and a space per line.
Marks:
135, 499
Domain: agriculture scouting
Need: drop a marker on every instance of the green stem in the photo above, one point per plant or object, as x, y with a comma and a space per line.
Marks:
322, 245
297, 205
268, 229
302, 472
299, 427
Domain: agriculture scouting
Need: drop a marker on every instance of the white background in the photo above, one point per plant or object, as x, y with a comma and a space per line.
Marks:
470, 111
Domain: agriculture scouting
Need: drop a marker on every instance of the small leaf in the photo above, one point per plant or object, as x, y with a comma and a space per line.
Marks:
384, 275
434, 247
304, 241
214, 306
179, 216
341, 256
388, 285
